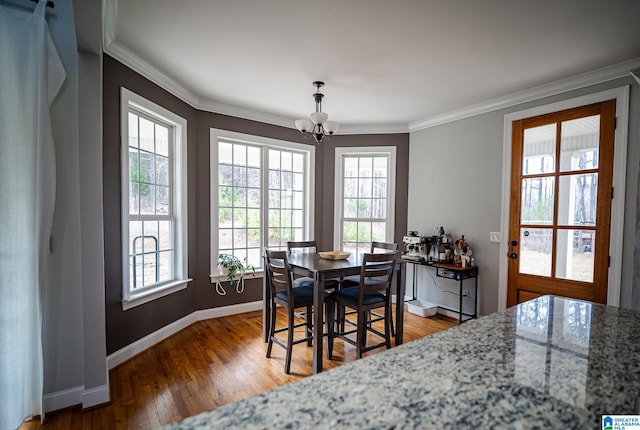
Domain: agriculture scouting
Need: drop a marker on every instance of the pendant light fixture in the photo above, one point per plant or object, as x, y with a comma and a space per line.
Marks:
318, 126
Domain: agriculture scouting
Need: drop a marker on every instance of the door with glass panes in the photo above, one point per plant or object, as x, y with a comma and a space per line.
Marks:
560, 214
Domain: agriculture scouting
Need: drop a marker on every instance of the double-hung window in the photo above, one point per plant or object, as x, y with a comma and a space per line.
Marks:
261, 195
154, 229
365, 197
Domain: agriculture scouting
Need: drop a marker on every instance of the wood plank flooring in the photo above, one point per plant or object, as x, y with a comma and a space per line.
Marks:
209, 364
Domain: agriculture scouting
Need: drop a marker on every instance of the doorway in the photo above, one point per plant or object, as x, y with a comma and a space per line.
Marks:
560, 204
619, 98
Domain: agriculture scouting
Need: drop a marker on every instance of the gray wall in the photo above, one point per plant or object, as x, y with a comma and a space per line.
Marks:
455, 181
125, 327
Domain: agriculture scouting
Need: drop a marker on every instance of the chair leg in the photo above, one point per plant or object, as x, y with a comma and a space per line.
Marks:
287, 360
388, 326
309, 327
272, 328
361, 329
331, 315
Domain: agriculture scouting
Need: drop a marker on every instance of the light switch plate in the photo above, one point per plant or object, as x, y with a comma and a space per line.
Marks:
494, 236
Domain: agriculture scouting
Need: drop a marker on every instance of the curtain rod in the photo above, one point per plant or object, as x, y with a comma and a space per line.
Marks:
49, 3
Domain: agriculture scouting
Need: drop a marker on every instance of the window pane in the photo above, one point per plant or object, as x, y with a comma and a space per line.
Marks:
535, 251
165, 235
577, 199
225, 175
350, 167
364, 208
274, 199
239, 238
350, 232
580, 143
253, 156
162, 200
253, 178
379, 208
162, 170
147, 135
150, 271
147, 199
365, 187
380, 167
364, 232
379, 231
239, 176
166, 266
147, 167
298, 163
537, 200
365, 167
253, 218
253, 237
298, 182
350, 187
239, 218
380, 187
225, 219
225, 238
350, 208
225, 153
287, 161
274, 159
239, 155
574, 255
134, 198
239, 197
539, 150
274, 179
253, 198
162, 140
225, 196
133, 130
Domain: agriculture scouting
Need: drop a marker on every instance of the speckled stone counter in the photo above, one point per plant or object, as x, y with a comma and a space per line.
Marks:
548, 363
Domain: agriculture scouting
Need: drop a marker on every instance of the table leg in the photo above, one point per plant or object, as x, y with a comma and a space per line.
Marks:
266, 310
400, 290
318, 320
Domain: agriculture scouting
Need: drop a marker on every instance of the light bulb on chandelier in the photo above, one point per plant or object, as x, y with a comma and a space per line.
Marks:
318, 126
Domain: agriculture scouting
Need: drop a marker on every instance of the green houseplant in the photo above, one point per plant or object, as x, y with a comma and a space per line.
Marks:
235, 269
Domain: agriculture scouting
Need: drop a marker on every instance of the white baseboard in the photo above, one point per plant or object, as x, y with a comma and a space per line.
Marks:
95, 396
151, 339
63, 399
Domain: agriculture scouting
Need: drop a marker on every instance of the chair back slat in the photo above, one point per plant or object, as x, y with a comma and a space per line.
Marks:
378, 269
383, 246
305, 246
277, 268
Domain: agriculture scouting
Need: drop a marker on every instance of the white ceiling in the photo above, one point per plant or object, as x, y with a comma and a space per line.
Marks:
386, 64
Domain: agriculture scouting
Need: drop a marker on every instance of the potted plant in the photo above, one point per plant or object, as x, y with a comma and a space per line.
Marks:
233, 268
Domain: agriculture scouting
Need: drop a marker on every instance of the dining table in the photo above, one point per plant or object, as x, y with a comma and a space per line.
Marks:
320, 269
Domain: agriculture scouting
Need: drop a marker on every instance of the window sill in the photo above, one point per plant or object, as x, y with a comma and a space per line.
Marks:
151, 294
223, 278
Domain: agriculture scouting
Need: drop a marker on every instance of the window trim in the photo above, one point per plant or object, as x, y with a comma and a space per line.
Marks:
132, 299
264, 142
389, 151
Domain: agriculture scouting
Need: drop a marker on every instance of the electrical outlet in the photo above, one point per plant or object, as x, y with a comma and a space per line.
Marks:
465, 293
494, 236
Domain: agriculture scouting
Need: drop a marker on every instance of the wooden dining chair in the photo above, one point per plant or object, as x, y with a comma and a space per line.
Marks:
372, 292
308, 246
352, 281
281, 292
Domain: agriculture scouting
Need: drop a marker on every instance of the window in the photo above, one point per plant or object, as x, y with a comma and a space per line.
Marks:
364, 190
260, 195
154, 230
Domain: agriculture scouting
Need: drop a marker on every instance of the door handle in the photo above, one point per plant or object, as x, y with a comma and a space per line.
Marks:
513, 255
514, 243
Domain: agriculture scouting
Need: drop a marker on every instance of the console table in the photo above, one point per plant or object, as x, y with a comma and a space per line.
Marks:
457, 273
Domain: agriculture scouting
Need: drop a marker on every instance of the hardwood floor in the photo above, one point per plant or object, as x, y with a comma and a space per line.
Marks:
209, 364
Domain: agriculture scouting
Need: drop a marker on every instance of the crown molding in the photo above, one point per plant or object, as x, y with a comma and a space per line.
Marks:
604, 74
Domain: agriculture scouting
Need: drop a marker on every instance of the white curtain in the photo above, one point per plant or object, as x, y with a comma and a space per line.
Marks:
31, 75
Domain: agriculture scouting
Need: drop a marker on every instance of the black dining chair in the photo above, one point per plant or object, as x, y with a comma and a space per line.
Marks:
281, 292
372, 292
352, 281
308, 246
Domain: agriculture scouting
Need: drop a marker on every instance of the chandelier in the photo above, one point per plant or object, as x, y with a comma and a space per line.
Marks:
318, 127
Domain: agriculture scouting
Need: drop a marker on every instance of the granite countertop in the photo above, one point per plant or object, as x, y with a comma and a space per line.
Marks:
547, 363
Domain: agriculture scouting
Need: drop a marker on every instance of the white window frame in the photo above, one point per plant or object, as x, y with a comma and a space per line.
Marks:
389, 151
266, 143
178, 127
